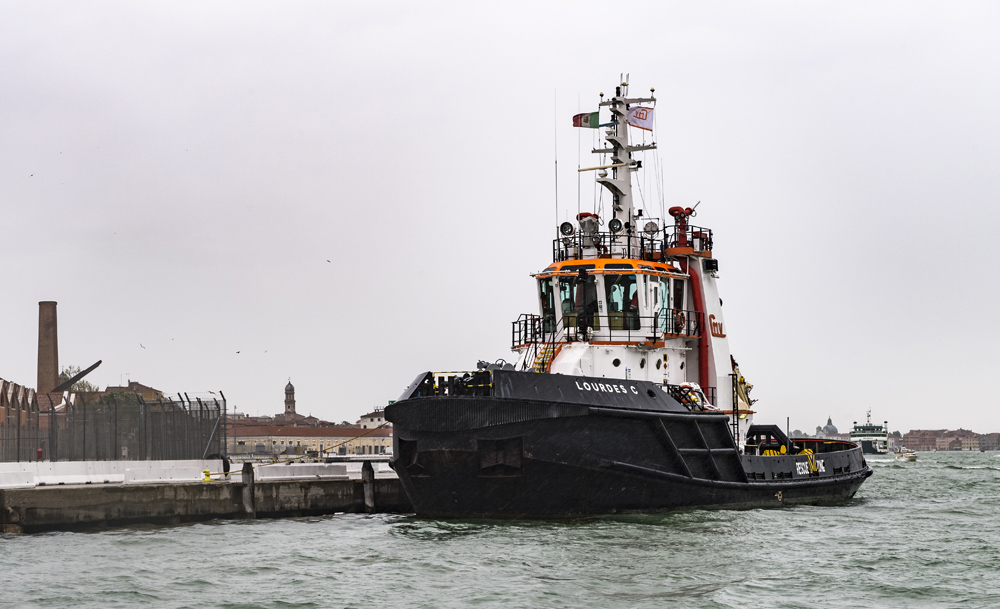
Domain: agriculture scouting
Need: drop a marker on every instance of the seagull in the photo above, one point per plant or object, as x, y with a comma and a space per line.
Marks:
328, 261
141, 345
237, 351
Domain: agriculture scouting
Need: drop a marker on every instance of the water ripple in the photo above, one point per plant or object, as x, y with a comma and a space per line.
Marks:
924, 534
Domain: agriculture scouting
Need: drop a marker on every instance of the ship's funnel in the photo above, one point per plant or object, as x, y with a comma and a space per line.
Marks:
48, 347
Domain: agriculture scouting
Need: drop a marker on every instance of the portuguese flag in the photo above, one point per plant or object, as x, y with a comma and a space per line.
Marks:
588, 119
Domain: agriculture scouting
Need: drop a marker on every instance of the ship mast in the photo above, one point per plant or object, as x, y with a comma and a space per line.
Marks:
622, 166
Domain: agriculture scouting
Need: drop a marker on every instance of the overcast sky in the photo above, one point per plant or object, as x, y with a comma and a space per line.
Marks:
347, 194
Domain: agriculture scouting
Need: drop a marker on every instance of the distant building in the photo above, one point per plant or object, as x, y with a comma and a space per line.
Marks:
289, 399
148, 394
283, 439
373, 419
922, 439
971, 442
989, 441
830, 431
943, 439
948, 443
289, 416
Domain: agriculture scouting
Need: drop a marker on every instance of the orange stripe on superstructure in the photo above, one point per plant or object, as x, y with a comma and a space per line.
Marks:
599, 265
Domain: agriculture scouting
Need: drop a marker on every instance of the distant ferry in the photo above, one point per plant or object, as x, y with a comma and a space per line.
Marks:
873, 438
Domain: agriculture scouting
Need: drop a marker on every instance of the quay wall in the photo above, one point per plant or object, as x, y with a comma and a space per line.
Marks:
85, 506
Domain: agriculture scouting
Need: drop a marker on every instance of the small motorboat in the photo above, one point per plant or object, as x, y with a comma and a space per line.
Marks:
906, 454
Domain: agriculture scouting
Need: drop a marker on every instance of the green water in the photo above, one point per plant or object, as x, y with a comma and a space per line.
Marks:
924, 534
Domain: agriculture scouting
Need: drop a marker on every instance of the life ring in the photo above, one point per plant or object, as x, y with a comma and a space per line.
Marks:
679, 321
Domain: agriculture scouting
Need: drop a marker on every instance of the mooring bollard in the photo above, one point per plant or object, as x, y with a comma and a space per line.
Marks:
368, 479
249, 505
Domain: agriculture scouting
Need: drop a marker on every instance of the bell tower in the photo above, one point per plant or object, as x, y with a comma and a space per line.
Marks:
289, 399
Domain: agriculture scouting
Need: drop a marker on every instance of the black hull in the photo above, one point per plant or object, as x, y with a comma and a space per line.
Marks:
868, 448
508, 456
550, 490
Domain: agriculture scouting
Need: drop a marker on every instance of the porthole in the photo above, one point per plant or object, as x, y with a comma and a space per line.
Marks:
617, 362
642, 363
658, 362
666, 358
651, 393
682, 365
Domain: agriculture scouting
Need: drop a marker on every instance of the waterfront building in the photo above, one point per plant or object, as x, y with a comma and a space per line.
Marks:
948, 443
285, 439
971, 442
989, 441
922, 439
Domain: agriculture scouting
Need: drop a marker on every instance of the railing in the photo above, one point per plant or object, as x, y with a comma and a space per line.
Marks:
687, 397
582, 246
697, 238
462, 383
525, 330
533, 330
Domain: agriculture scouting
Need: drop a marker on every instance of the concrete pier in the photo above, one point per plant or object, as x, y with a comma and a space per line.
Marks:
84, 506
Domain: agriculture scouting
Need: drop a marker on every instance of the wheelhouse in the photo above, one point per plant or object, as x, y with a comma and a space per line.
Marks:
614, 300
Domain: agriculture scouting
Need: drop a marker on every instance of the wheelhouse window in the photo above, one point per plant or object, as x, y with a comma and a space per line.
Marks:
664, 302
622, 296
548, 304
578, 298
678, 303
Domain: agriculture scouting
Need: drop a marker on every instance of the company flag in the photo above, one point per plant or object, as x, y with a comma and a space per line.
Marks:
641, 117
587, 119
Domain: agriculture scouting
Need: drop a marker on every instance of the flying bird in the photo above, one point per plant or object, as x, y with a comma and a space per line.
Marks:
141, 345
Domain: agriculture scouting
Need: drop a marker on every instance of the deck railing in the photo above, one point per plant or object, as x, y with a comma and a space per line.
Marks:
606, 244
460, 383
642, 245
625, 326
697, 238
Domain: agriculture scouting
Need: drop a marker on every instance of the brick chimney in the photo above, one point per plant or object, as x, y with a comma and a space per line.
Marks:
48, 347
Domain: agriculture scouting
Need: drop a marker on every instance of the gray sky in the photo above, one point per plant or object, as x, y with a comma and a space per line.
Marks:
177, 175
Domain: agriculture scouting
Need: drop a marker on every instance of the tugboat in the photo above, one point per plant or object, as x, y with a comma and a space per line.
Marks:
873, 438
624, 396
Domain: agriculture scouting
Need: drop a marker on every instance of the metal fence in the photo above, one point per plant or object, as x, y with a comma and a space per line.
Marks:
113, 427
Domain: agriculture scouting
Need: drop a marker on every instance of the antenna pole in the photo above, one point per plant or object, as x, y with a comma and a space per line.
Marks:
555, 152
578, 159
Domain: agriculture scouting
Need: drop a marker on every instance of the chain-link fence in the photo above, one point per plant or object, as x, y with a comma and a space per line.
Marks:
117, 426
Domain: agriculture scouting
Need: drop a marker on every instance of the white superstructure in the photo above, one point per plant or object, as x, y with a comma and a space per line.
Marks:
637, 298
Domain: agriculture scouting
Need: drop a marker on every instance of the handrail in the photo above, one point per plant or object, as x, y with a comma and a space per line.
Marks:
465, 383
698, 238
636, 245
606, 244
627, 326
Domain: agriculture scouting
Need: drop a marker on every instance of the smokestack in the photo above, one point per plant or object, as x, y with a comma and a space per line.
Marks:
48, 347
